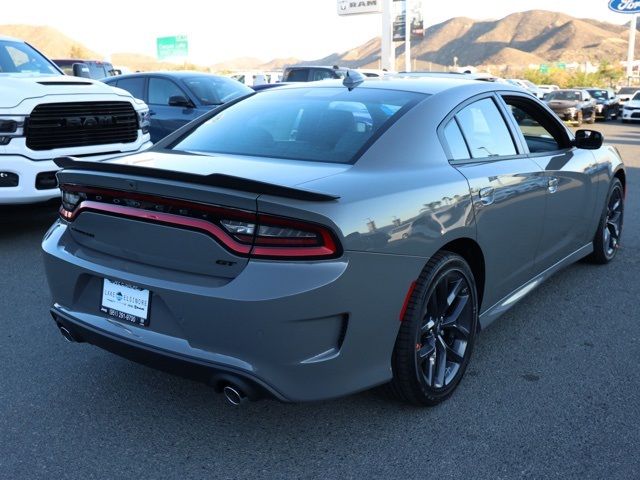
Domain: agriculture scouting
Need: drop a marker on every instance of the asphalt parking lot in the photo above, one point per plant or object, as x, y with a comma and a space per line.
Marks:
552, 391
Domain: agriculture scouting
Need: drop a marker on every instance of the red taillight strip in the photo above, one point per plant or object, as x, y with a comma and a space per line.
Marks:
172, 202
158, 217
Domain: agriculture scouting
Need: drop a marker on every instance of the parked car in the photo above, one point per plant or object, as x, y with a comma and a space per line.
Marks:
607, 103
625, 94
527, 85
46, 114
305, 73
176, 98
251, 249
572, 105
631, 109
94, 68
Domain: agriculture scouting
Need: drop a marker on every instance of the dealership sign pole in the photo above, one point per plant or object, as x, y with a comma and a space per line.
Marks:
629, 7
360, 7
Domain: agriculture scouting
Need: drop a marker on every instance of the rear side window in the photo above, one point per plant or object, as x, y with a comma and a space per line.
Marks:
484, 129
135, 86
313, 124
297, 75
455, 142
161, 90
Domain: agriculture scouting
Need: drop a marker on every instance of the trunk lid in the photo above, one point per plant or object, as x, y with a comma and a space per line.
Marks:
166, 210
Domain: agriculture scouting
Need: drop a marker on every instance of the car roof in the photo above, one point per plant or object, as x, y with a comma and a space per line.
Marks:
330, 67
177, 74
426, 85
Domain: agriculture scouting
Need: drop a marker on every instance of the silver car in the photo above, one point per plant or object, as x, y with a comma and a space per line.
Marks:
313, 241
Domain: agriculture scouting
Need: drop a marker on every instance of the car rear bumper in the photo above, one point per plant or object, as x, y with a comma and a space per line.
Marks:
299, 331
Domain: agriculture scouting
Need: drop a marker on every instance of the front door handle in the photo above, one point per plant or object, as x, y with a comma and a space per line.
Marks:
552, 185
486, 195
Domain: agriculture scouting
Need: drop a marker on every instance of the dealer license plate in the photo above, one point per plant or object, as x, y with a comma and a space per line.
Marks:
125, 302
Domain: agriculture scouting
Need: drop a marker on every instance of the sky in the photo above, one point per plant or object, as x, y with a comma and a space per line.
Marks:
220, 30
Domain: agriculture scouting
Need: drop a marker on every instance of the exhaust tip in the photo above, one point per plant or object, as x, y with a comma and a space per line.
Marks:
68, 336
234, 396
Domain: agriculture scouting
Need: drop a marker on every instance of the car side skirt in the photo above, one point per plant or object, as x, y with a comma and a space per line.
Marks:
497, 310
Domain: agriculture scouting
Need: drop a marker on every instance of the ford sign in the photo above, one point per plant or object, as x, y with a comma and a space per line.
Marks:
625, 6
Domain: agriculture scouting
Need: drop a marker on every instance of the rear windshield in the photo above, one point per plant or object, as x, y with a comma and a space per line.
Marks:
313, 124
570, 95
212, 90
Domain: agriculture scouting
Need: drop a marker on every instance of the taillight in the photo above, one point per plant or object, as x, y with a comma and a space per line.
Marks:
244, 233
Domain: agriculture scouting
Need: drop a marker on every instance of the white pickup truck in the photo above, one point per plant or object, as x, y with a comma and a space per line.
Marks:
45, 114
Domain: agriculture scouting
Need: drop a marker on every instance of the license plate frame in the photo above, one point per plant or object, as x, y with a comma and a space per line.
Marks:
126, 302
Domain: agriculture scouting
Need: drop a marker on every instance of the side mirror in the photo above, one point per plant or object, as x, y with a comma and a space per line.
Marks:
588, 139
81, 70
180, 101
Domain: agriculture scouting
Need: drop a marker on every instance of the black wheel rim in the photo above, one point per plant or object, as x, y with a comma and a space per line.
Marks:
613, 222
444, 334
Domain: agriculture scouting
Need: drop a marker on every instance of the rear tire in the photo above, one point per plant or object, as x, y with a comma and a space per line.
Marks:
437, 334
607, 238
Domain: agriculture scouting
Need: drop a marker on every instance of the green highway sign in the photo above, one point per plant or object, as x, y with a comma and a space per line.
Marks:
172, 47
544, 68
561, 66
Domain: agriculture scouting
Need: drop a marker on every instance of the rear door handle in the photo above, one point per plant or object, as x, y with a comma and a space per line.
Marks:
486, 195
552, 185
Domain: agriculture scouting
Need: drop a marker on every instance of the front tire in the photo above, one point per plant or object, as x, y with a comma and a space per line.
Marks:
607, 238
438, 332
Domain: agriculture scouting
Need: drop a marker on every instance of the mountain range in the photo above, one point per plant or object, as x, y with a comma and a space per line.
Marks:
519, 39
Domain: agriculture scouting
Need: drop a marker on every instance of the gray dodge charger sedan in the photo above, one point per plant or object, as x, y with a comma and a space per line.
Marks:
312, 241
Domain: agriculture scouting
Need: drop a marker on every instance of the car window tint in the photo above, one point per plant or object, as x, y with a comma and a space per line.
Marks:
161, 90
321, 74
313, 124
455, 142
485, 131
297, 75
135, 86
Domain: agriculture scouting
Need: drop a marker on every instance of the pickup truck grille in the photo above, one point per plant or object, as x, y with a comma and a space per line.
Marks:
81, 124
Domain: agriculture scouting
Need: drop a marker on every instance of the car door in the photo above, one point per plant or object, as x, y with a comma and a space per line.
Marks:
166, 118
570, 174
507, 189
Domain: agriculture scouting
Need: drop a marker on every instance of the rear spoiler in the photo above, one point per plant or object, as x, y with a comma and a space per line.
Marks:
213, 180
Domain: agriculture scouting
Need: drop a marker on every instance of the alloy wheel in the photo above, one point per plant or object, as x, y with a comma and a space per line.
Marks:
443, 337
613, 222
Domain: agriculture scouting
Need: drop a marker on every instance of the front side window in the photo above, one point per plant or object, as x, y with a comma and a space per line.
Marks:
18, 57
161, 90
312, 124
484, 129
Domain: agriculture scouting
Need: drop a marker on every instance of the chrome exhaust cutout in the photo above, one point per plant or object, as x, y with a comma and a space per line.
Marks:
234, 395
68, 336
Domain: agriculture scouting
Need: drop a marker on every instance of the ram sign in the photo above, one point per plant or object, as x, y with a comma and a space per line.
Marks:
358, 7
625, 6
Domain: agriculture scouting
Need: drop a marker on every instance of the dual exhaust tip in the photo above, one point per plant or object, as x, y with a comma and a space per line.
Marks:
233, 394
